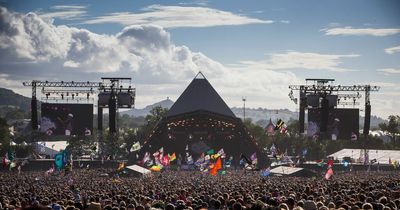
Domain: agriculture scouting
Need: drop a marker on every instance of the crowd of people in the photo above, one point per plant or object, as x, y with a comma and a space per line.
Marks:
235, 190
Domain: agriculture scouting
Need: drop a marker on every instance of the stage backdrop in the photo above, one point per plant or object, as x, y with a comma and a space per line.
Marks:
342, 123
67, 119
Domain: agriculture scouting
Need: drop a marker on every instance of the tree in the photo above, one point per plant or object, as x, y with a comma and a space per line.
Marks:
392, 127
156, 114
4, 135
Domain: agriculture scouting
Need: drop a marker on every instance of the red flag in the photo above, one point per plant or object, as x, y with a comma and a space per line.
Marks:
330, 162
165, 160
328, 174
217, 166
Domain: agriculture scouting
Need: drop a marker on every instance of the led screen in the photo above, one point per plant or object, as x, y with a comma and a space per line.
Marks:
342, 123
67, 119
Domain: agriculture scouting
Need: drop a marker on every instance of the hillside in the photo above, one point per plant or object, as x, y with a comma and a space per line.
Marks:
10, 99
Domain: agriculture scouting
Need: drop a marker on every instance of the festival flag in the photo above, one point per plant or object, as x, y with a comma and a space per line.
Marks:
6, 161
217, 166
221, 153
215, 156
253, 158
207, 158
155, 168
228, 163
13, 164
10, 155
244, 160
320, 163
165, 160
330, 163
146, 158
172, 157
58, 160
135, 147
266, 172
279, 124
353, 136
210, 152
273, 150
121, 166
305, 151
328, 174
150, 162
189, 160
50, 171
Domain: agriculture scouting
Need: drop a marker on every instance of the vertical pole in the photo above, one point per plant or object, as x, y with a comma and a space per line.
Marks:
302, 107
34, 120
244, 108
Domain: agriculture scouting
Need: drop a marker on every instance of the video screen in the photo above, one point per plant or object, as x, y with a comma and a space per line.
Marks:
342, 124
67, 119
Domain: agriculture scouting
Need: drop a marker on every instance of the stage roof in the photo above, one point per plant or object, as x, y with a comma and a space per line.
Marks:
285, 170
381, 156
200, 95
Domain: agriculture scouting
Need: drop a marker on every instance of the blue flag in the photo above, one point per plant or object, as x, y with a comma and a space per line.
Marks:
58, 160
61, 159
266, 172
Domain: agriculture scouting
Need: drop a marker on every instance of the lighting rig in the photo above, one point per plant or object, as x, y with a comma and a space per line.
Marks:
111, 94
331, 95
60, 91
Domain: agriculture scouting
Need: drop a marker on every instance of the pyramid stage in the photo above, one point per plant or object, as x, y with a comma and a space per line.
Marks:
199, 121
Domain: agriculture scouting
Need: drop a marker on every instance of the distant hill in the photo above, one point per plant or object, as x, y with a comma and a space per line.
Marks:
10, 99
167, 103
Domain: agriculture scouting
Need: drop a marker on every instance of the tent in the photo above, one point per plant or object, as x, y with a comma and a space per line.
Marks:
138, 170
291, 171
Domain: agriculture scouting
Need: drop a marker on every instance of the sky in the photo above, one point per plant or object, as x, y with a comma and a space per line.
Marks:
246, 49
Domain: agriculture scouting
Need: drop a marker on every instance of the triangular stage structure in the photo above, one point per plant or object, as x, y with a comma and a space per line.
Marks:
200, 95
198, 121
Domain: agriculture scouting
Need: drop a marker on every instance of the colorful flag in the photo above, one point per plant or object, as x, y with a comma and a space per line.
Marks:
244, 160
330, 163
266, 172
165, 160
221, 153
135, 147
58, 160
253, 158
273, 150
146, 158
210, 152
217, 166
156, 168
172, 157
320, 163
121, 166
328, 174
189, 160
6, 161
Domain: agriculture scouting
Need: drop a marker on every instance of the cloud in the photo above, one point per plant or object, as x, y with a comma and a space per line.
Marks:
300, 60
389, 71
392, 50
177, 16
285, 21
349, 31
65, 12
147, 50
